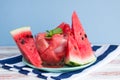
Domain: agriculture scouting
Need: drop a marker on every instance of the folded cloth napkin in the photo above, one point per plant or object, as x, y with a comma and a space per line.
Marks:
104, 53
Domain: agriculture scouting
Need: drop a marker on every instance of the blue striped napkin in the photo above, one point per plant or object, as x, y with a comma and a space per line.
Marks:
104, 54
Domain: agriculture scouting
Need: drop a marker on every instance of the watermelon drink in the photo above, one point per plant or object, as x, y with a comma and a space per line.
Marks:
52, 47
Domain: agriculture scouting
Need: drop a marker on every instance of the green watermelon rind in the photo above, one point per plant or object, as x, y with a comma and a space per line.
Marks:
18, 30
74, 63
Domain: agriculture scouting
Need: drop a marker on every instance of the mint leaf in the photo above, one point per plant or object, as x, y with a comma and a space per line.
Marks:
54, 31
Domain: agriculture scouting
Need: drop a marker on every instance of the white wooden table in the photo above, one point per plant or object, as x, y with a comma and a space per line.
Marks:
110, 71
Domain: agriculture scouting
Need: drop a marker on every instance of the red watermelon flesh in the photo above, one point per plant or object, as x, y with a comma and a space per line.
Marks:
59, 43
81, 38
54, 52
49, 57
65, 27
25, 42
73, 57
41, 43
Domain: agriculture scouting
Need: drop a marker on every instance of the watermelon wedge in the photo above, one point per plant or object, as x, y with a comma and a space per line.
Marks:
25, 42
73, 57
86, 53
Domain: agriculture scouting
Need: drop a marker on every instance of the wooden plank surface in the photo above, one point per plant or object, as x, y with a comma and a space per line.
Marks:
110, 71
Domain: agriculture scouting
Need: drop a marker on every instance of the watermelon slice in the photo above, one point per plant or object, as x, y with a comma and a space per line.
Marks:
83, 43
73, 57
25, 42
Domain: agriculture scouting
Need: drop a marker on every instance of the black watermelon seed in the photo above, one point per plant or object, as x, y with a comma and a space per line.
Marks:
22, 41
27, 36
80, 33
85, 35
75, 47
31, 36
82, 38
